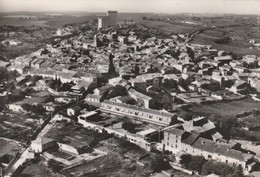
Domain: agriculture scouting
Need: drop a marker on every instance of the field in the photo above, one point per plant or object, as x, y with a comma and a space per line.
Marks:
9, 147
110, 165
46, 21
240, 37
37, 170
18, 127
223, 109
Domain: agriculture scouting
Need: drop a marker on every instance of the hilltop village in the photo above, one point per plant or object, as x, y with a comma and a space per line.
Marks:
88, 90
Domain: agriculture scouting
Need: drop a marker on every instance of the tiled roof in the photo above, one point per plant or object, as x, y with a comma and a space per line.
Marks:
151, 111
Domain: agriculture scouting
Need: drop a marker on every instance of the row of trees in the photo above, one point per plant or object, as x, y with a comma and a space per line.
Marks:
204, 167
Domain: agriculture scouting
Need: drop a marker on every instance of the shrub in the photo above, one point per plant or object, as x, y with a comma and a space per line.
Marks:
217, 168
194, 163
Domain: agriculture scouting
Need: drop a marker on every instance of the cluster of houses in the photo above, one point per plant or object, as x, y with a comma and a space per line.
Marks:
186, 73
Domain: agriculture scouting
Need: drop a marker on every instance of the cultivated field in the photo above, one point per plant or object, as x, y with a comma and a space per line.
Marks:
233, 108
37, 170
9, 147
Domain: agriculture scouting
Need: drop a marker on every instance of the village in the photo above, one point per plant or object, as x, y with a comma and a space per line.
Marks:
90, 91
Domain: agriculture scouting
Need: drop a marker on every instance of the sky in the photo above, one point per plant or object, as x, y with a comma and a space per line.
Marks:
157, 6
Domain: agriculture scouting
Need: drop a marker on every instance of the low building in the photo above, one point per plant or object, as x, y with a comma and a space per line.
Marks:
142, 99
103, 89
147, 115
254, 83
16, 107
139, 84
177, 140
93, 99
73, 111
239, 87
43, 144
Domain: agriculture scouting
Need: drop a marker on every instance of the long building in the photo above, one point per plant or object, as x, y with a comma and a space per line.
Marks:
180, 141
147, 115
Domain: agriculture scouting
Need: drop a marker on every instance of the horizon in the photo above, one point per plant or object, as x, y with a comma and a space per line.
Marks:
242, 7
103, 12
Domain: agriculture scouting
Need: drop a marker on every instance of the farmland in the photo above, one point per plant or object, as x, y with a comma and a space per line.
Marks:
37, 169
9, 147
223, 109
17, 127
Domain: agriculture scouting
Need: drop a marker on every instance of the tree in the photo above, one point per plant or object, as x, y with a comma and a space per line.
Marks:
190, 53
118, 90
37, 109
196, 163
185, 159
129, 126
4, 74
54, 165
217, 168
159, 163
111, 69
238, 172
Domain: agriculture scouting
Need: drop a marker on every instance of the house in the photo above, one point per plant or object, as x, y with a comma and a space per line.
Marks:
145, 134
154, 79
93, 99
103, 89
82, 85
123, 99
42, 144
50, 106
254, 83
240, 69
177, 139
250, 60
239, 87
224, 59
4, 64
40, 85
255, 72
225, 69
208, 62
139, 84
172, 139
116, 81
73, 111
142, 99
16, 107
242, 76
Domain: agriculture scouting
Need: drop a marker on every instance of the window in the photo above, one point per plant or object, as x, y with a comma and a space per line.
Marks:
209, 156
150, 116
226, 161
160, 119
